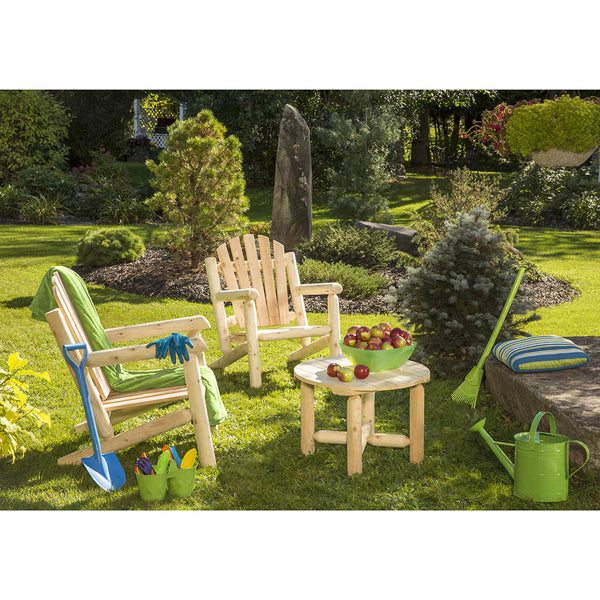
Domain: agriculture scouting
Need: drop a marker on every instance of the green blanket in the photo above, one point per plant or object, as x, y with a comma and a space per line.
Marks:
119, 378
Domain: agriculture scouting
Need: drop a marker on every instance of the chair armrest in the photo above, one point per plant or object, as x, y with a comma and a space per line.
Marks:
318, 289
157, 328
127, 354
231, 295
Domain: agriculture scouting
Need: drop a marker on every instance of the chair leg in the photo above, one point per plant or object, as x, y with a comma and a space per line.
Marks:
206, 452
252, 341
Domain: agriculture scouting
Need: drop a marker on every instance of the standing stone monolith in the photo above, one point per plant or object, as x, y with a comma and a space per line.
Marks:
292, 195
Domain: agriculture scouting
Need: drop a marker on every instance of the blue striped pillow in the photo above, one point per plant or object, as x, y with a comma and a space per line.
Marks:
540, 353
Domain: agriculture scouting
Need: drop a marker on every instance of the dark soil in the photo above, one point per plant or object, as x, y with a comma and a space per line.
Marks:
157, 275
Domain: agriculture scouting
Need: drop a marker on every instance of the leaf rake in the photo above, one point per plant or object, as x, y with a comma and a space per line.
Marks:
468, 391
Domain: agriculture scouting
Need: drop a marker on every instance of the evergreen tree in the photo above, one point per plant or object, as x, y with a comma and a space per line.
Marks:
361, 140
454, 299
200, 185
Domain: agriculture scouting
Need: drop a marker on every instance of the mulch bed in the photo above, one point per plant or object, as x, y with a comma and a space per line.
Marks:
157, 275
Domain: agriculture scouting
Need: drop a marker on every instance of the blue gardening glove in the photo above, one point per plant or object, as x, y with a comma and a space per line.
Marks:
162, 347
177, 347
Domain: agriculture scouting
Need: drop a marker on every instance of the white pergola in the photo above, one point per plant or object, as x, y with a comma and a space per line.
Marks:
143, 124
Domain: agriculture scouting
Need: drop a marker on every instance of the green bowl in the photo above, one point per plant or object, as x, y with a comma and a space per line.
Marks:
378, 360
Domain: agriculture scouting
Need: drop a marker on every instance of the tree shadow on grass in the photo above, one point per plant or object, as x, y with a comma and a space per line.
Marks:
18, 302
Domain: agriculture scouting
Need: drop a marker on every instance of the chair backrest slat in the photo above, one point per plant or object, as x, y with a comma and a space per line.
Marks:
228, 270
240, 264
266, 263
253, 265
281, 282
76, 328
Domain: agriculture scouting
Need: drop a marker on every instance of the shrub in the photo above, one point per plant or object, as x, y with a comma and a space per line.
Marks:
356, 281
19, 420
200, 185
114, 209
571, 124
47, 181
33, 127
468, 191
584, 212
350, 208
108, 194
455, 298
351, 245
39, 210
543, 196
113, 246
259, 228
11, 199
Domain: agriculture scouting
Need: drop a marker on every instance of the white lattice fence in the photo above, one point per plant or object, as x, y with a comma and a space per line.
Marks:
150, 117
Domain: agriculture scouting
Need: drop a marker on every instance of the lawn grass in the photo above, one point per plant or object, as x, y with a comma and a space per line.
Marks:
258, 446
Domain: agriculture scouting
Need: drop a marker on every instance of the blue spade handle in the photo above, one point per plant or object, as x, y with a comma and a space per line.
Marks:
83, 389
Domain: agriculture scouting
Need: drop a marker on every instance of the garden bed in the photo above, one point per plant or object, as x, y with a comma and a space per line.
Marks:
157, 275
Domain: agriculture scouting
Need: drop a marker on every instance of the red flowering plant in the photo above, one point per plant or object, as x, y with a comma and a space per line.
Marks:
491, 130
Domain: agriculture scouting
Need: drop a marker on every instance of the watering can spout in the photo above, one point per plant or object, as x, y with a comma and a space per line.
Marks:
495, 448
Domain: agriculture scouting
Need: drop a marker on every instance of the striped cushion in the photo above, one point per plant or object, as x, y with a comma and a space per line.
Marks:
540, 353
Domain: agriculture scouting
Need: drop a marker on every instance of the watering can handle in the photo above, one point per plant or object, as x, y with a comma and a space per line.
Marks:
587, 455
536, 422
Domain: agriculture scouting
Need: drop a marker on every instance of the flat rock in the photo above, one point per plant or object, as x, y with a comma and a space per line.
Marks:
402, 236
571, 395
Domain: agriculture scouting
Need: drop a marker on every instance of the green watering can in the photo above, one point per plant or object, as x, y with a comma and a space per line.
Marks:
541, 467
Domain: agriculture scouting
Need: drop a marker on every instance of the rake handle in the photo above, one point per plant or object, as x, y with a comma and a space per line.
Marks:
503, 315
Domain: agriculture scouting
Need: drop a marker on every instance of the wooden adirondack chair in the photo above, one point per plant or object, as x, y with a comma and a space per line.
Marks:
110, 407
258, 290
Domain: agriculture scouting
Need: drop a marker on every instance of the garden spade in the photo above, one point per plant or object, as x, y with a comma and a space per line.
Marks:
105, 469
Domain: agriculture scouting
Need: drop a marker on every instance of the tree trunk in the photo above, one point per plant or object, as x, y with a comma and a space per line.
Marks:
455, 132
420, 156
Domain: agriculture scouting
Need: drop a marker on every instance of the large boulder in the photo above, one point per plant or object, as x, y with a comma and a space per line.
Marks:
402, 236
571, 395
292, 195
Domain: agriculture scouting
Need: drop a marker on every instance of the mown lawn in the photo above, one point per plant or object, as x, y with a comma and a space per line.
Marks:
258, 446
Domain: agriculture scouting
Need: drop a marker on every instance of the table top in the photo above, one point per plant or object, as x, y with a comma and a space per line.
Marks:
314, 372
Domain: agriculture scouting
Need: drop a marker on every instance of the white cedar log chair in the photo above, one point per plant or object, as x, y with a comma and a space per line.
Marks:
111, 407
257, 283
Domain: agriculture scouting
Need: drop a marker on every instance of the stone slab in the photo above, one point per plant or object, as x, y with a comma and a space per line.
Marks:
571, 395
403, 236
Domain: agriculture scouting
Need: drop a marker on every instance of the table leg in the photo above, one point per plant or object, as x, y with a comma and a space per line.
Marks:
354, 437
307, 418
368, 410
417, 424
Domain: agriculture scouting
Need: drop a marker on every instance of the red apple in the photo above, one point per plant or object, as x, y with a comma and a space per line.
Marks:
385, 326
332, 369
361, 371
346, 374
386, 339
376, 332
395, 331
364, 334
361, 345
407, 335
398, 341
375, 340
353, 329
373, 346
386, 346
350, 339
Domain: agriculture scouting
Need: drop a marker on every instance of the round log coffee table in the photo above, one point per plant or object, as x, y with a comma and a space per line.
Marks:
361, 408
